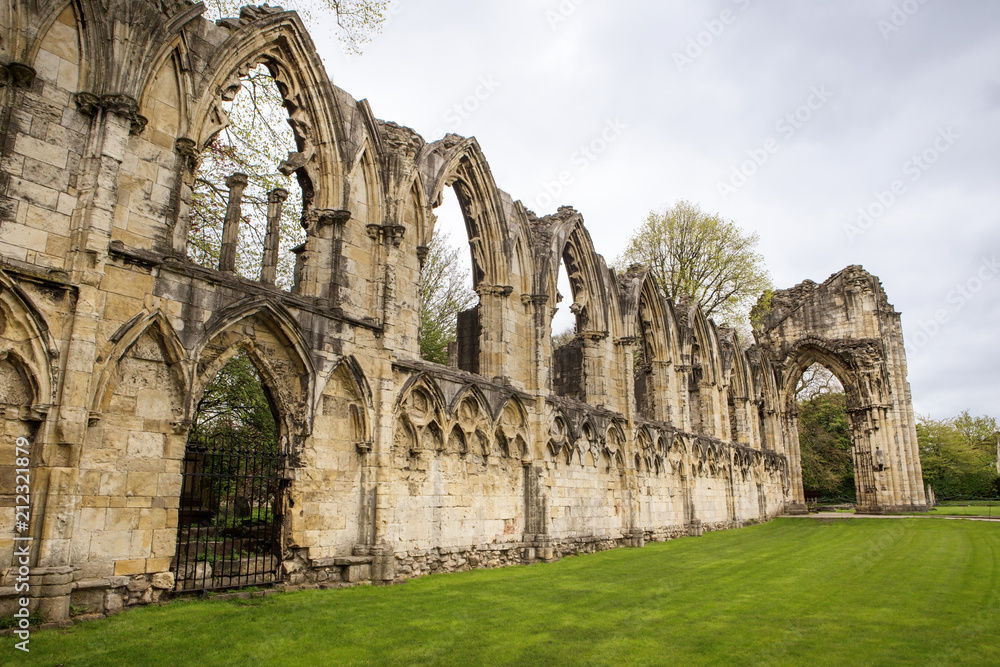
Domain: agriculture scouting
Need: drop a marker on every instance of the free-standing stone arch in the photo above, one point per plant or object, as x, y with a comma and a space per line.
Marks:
848, 325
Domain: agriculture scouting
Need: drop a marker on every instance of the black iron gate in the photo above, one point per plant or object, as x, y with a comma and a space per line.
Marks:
229, 522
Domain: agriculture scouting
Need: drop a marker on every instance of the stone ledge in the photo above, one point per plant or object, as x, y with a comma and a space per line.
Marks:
341, 561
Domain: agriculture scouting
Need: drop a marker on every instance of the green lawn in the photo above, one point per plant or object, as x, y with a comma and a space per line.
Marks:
966, 510
792, 591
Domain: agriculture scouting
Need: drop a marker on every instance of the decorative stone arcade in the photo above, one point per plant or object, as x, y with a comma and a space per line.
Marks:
656, 424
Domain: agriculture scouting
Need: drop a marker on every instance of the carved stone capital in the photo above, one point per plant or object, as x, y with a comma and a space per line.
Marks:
625, 341
19, 74
88, 103
118, 104
331, 216
394, 233
237, 180
277, 195
188, 150
386, 233
495, 290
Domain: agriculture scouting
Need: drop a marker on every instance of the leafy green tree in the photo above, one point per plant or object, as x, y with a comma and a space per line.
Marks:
701, 256
235, 409
825, 444
445, 292
958, 456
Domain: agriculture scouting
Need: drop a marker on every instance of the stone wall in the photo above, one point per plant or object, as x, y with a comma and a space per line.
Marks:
658, 424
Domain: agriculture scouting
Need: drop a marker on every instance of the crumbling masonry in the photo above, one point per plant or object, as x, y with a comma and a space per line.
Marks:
654, 423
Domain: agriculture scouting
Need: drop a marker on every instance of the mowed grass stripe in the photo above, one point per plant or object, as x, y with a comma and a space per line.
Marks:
793, 591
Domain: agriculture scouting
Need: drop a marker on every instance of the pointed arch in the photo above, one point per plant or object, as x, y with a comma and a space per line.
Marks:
366, 186
649, 317
355, 378
422, 400
271, 337
460, 163
25, 334
280, 42
268, 311
61, 39
572, 246
808, 351
153, 322
474, 393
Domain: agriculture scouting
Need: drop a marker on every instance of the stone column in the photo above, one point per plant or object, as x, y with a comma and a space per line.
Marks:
269, 265
492, 344
537, 305
50, 589
661, 389
92, 221
594, 354
186, 168
790, 431
626, 392
335, 219
231, 226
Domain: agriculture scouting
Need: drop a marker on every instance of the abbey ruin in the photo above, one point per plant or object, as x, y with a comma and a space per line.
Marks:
654, 423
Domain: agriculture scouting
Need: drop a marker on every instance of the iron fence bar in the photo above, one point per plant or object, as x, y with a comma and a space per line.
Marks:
229, 516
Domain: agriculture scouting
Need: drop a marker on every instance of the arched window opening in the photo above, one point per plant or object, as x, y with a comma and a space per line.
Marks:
228, 532
447, 294
824, 436
567, 348
563, 326
247, 199
694, 388
642, 367
19, 456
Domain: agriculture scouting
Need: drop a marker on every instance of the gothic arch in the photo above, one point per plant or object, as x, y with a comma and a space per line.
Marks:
272, 339
809, 351
847, 324
24, 334
572, 245
156, 323
650, 322
460, 163
421, 404
359, 383
280, 42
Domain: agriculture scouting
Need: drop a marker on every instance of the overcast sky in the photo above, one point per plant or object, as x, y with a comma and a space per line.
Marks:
785, 117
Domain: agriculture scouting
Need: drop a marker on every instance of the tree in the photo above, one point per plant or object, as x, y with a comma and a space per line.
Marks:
564, 338
825, 445
958, 455
444, 293
255, 143
701, 256
235, 409
356, 19
816, 380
